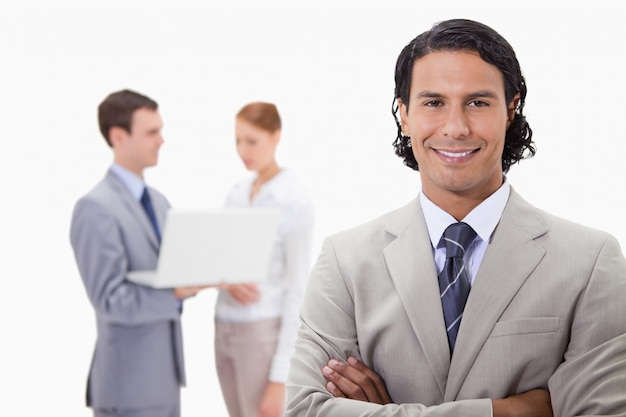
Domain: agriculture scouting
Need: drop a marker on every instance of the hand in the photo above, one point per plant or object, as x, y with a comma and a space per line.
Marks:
535, 403
355, 381
185, 292
243, 293
273, 402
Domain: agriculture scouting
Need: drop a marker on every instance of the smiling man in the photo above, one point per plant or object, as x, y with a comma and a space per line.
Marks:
468, 301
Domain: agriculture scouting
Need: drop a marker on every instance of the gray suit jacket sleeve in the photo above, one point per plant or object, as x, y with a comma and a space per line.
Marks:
107, 245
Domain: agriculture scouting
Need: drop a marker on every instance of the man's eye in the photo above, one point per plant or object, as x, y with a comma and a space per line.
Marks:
433, 103
478, 103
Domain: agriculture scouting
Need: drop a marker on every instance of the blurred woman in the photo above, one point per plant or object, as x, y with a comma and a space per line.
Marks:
256, 324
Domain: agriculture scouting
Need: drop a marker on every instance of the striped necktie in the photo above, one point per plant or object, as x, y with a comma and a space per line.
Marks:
454, 284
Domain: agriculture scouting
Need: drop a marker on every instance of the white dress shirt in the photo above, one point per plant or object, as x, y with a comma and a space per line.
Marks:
283, 290
483, 219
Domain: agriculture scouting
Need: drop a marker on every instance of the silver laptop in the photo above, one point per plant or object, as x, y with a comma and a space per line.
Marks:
205, 247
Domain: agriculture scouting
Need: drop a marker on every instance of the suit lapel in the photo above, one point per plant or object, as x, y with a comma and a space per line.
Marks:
134, 208
499, 278
411, 265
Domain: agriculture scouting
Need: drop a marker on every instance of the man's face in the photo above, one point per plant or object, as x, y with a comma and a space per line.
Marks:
139, 149
457, 119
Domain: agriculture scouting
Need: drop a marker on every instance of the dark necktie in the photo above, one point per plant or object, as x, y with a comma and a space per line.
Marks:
147, 206
454, 285
146, 203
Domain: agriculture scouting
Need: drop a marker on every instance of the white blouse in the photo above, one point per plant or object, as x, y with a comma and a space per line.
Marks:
283, 290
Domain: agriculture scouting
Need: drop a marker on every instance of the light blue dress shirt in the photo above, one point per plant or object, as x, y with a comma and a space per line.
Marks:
134, 183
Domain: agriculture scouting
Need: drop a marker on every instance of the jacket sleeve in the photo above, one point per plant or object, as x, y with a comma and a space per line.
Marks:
99, 247
591, 381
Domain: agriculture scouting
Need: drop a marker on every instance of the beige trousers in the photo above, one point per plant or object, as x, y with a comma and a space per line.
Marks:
243, 356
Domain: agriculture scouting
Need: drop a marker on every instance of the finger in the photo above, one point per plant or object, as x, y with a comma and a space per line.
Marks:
245, 296
358, 378
235, 295
336, 392
249, 294
251, 289
197, 289
377, 381
238, 293
345, 384
240, 298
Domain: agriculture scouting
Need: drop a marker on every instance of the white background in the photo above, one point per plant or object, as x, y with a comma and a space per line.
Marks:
328, 67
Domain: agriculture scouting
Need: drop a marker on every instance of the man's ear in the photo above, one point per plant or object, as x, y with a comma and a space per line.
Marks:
117, 135
511, 110
404, 117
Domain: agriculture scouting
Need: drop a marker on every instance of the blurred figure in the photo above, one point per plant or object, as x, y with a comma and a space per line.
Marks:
256, 325
137, 368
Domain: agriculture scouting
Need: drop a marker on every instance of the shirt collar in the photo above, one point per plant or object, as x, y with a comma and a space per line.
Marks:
483, 219
134, 183
275, 187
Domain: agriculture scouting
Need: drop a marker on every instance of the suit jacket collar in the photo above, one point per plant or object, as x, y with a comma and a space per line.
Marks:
411, 265
410, 262
133, 207
497, 282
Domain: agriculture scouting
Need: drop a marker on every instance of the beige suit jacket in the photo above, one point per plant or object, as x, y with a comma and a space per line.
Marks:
547, 310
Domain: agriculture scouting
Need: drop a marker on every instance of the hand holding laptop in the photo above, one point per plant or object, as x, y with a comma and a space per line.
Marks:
243, 293
185, 292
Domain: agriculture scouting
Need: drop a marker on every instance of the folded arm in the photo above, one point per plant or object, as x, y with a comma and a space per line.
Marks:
354, 380
329, 330
592, 379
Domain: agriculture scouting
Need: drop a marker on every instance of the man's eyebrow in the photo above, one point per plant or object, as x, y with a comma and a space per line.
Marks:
433, 94
428, 94
482, 93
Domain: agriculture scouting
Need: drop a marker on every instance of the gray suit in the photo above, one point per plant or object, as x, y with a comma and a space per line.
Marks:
138, 359
546, 310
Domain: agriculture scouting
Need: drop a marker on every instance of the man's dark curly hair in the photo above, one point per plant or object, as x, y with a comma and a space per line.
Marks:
466, 35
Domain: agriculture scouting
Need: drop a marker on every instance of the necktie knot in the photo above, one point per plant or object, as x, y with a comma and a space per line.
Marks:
145, 198
458, 237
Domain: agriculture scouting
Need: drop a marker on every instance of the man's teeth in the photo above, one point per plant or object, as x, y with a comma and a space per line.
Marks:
455, 154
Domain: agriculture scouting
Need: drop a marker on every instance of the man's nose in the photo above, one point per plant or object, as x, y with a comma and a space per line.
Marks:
456, 125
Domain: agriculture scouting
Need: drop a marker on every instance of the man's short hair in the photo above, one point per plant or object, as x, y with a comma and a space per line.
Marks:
117, 109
